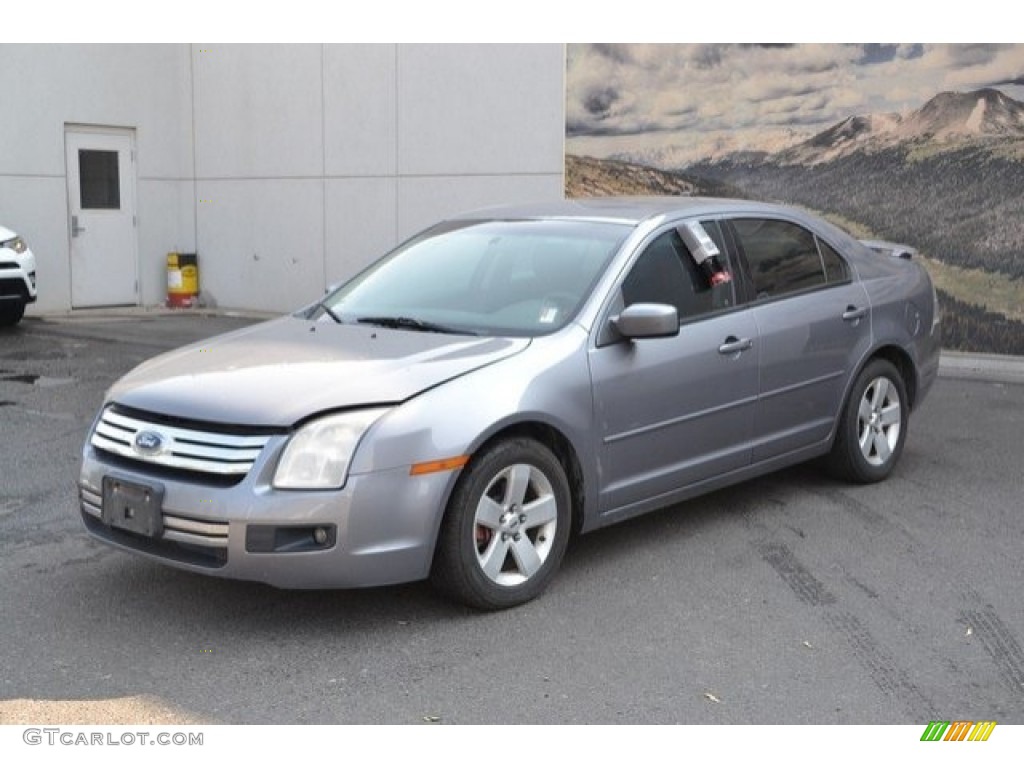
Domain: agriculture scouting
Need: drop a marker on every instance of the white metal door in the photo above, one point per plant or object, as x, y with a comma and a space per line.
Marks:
101, 203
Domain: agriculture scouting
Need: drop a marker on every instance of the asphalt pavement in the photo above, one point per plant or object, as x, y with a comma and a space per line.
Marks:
788, 599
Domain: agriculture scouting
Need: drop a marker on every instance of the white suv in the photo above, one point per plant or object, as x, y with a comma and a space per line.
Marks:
17, 277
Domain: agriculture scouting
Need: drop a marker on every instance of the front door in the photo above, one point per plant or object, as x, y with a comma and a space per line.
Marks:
101, 205
674, 412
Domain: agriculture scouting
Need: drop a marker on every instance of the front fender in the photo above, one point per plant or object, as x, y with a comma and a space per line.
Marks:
548, 383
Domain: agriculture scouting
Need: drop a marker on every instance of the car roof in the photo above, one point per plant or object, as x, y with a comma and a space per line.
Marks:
626, 210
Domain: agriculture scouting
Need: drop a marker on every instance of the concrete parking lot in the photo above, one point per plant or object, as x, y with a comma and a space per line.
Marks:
790, 599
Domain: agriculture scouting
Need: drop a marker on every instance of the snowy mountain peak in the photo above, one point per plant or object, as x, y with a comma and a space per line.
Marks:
947, 119
986, 112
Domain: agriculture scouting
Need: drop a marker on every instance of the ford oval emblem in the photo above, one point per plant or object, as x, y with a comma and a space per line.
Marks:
149, 443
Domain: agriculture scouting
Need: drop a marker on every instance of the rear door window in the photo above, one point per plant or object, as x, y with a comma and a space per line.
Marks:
782, 257
836, 270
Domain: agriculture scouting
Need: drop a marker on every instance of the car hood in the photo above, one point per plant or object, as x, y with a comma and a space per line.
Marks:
6, 234
276, 374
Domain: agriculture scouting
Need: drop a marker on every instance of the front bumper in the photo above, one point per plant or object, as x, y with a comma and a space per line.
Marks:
381, 527
17, 276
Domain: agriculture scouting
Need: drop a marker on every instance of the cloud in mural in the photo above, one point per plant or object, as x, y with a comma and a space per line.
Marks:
723, 97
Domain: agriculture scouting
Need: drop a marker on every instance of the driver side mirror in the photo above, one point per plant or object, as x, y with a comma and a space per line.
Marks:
647, 321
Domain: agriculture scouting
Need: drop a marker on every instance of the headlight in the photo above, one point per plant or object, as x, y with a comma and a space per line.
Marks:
16, 244
318, 455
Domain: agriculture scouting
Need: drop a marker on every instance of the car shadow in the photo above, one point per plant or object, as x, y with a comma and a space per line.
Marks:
136, 586
164, 633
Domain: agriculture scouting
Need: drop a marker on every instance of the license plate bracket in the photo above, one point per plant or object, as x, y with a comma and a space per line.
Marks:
132, 506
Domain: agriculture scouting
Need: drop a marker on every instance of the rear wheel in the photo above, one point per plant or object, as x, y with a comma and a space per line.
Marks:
11, 312
873, 426
506, 527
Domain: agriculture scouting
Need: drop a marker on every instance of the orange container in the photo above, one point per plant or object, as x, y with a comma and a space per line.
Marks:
182, 279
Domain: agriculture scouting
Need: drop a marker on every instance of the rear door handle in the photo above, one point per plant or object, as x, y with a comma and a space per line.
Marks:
853, 313
733, 345
75, 229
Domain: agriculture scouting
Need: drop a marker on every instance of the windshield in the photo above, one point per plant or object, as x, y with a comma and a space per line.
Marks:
490, 278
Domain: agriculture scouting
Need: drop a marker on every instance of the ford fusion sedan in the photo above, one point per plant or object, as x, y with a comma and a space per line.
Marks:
17, 277
506, 379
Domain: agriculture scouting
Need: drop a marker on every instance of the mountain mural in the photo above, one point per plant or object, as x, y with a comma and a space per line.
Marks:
946, 177
590, 177
947, 122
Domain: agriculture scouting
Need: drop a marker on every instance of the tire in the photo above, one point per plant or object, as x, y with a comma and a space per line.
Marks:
11, 313
506, 527
873, 425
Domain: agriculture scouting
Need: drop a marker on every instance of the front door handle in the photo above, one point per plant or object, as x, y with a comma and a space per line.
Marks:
75, 229
733, 345
852, 313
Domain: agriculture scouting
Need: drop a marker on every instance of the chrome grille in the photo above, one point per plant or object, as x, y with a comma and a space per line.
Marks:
92, 501
190, 531
184, 530
216, 453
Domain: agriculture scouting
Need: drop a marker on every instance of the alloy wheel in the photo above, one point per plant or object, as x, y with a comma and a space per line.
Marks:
515, 524
879, 419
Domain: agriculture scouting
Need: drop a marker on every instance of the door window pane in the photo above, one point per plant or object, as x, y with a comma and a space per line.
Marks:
666, 273
836, 270
782, 257
99, 183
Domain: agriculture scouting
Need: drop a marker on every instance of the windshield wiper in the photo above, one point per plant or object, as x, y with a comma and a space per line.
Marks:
412, 324
329, 311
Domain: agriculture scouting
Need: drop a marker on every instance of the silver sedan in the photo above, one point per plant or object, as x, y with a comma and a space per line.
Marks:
508, 378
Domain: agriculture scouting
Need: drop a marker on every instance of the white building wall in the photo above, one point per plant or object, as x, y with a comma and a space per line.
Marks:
259, 123
361, 155
478, 125
145, 87
312, 160
287, 167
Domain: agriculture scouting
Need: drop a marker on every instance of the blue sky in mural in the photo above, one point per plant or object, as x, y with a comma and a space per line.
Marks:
712, 98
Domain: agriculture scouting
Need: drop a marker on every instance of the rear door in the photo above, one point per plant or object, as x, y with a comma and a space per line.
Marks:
813, 322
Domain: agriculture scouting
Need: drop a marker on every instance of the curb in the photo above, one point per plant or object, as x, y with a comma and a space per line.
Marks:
120, 314
967, 365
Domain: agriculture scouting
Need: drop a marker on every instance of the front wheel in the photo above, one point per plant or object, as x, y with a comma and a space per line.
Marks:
506, 527
873, 425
